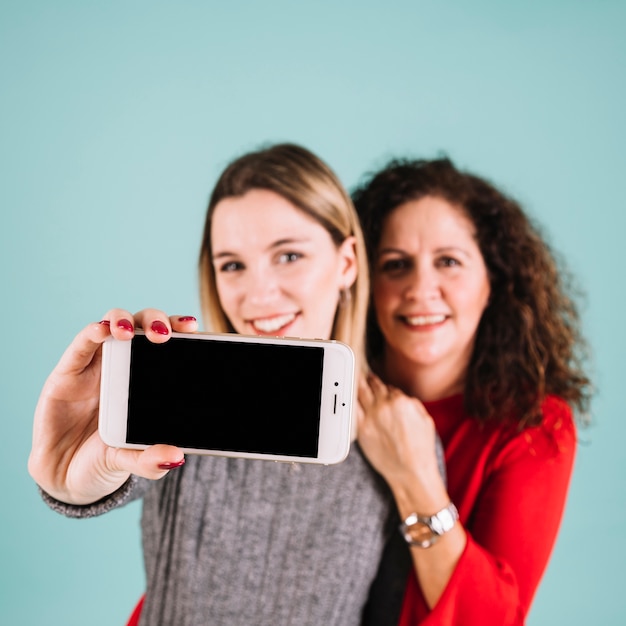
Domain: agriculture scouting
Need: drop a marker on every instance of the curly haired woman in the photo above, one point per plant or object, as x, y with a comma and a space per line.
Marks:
471, 334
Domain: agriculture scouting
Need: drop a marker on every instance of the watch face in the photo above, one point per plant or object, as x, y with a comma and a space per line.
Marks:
424, 531
419, 533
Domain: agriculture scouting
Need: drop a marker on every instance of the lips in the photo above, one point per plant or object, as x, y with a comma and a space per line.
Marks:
424, 320
272, 325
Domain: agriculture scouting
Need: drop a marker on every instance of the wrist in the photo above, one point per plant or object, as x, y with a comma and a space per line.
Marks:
424, 495
422, 531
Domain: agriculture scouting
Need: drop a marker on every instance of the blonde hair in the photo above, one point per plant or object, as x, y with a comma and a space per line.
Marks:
309, 184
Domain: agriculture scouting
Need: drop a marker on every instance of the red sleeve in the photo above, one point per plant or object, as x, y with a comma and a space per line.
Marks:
133, 620
511, 527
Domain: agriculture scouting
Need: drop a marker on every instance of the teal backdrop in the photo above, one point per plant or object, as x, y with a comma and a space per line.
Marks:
117, 117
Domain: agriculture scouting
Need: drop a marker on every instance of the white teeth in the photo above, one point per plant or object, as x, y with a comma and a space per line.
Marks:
423, 320
272, 324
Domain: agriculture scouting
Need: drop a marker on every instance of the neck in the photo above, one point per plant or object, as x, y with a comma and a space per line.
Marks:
424, 382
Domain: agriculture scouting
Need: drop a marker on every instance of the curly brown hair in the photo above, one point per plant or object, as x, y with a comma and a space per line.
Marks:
529, 342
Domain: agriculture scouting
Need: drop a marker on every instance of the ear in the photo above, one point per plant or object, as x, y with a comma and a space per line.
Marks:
347, 262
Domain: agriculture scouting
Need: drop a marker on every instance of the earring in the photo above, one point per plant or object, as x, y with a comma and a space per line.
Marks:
345, 296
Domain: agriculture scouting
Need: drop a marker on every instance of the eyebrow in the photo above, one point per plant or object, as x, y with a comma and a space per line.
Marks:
275, 244
441, 250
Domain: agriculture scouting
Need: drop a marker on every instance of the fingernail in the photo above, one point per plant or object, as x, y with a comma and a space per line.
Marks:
124, 324
159, 328
105, 322
187, 318
172, 465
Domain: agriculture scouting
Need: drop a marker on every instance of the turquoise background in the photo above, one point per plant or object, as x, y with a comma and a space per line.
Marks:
117, 117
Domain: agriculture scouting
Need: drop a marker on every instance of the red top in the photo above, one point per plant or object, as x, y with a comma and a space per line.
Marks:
510, 489
133, 620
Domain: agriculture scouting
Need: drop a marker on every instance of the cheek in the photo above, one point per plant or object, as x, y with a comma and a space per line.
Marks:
473, 300
227, 295
318, 294
312, 282
298, 276
483, 291
383, 294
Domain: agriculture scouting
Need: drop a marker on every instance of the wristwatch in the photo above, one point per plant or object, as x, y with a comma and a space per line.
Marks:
422, 531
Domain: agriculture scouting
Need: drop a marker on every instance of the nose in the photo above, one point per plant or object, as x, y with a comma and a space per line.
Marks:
422, 283
261, 288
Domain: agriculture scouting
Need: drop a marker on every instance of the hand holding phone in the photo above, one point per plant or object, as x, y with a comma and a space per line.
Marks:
282, 399
68, 459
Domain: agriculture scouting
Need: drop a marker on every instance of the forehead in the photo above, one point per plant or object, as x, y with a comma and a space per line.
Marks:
260, 215
429, 218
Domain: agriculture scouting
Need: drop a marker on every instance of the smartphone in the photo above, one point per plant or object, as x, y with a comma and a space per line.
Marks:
281, 399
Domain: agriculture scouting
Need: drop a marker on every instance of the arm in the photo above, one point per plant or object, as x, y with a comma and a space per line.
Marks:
399, 439
491, 570
513, 525
68, 460
134, 488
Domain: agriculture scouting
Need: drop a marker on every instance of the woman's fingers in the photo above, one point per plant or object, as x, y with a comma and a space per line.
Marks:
365, 393
158, 326
184, 323
120, 323
377, 386
153, 462
155, 324
371, 389
80, 353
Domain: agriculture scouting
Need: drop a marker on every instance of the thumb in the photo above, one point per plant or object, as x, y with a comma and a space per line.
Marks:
153, 462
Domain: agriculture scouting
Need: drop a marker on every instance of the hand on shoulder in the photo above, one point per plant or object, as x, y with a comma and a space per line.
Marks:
397, 435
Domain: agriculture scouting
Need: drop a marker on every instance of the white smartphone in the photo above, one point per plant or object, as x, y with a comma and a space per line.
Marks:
232, 395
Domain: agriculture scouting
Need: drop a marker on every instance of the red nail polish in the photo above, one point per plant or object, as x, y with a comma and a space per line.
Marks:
105, 322
124, 324
187, 318
172, 465
159, 328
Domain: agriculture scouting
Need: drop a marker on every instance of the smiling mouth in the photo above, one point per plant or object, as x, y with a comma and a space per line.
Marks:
423, 320
270, 325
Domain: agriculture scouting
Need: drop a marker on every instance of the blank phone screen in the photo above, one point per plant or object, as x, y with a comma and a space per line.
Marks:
225, 395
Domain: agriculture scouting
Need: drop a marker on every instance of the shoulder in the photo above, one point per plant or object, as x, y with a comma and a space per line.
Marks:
554, 438
557, 424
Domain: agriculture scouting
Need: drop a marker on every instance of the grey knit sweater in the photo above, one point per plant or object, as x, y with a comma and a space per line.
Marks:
242, 542
237, 542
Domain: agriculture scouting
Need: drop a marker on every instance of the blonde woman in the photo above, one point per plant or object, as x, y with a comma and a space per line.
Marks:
236, 541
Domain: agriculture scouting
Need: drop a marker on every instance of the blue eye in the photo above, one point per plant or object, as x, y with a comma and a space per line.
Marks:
289, 257
231, 266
